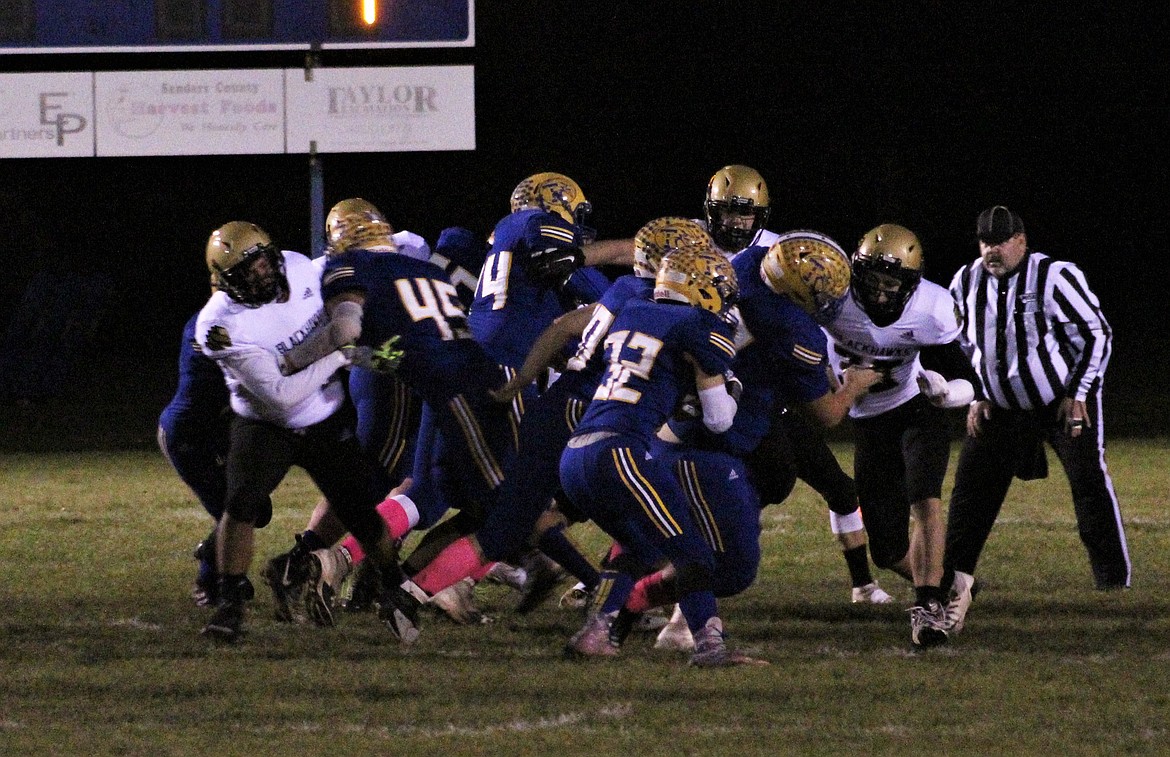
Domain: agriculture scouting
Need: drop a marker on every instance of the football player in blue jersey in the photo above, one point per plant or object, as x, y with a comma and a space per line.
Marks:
531, 482
408, 313
193, 436
656, 353
736, 210
785, 291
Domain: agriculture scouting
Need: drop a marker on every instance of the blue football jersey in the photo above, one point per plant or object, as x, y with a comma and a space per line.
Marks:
587, 366
202, 394
781, 357
415, 301
460, 253
510, 310
648, 372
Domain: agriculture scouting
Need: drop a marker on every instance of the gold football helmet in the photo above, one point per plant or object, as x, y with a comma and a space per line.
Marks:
664, 235
355, 224
555, 193
886, 270
736, 194
233, 252
699, 277
810, 269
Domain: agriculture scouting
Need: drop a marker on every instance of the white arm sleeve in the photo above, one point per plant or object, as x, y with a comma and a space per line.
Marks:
259, 374
718, 408
344, 327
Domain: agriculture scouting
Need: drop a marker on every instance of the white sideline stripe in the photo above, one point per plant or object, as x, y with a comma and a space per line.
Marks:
136, 624
612, 712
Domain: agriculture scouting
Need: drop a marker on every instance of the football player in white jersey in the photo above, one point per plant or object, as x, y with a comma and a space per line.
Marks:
906, 328
736, 209
269, 301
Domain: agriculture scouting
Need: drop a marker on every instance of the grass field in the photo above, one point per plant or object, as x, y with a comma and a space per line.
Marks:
100, 650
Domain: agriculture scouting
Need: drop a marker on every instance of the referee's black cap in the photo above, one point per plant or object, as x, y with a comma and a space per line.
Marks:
997, 224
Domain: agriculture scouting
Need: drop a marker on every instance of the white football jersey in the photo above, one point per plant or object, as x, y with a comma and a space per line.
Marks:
763, 238
247, 342
412, 245
928, 319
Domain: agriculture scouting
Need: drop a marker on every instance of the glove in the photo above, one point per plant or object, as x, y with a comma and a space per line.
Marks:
384, 359
943, 393
688, 408
933, 385
552, 266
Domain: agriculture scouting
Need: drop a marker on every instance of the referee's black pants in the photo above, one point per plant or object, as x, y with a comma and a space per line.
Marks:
1009, 445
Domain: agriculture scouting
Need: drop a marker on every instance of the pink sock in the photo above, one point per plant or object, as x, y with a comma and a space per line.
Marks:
648, 592
458, 561
400, 515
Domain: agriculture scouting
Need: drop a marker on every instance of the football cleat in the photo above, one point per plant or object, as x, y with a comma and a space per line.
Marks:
226, 623
594, 639
327, 570
398, 611
543, 576
286, 575
711, 650
676, 634
507, 575
576, 598
457, 602
928, 625
205, 592
959, 602
359, 589
871, 594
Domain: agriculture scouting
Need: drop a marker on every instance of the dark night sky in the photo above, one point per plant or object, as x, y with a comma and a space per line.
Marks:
854, 119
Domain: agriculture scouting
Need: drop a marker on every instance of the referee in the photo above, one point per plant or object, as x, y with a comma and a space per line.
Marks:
1036, 335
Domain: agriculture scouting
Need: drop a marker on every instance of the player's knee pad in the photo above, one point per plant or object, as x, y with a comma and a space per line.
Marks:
254, 510
774, 485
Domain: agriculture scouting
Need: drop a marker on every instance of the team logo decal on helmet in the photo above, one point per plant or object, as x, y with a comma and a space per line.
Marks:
663, 236
355, 224
245, 263
887, 268
699, 277
811, 269
556, 193
737, 206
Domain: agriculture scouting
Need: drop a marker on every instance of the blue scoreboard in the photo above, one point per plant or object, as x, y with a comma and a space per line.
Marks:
46, 26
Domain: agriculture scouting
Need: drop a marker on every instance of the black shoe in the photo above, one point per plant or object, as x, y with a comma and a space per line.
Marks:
286, 575
360, 589
227, 623
543, 577
206, 589
398, 610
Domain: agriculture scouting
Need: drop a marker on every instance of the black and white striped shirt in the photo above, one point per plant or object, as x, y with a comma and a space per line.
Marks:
1035, 336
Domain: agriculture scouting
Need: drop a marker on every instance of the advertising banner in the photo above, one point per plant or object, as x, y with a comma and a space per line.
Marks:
227, 112
236, 112
47, 115
399, 109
